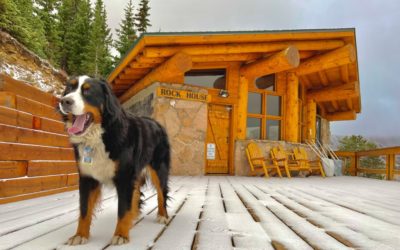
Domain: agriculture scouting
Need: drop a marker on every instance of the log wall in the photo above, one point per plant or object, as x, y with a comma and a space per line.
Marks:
36, 158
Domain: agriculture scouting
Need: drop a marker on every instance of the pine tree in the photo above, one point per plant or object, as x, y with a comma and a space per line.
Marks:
74, 26
126, 34
11, 20
49, 14
98, 60
20, 19
142, 20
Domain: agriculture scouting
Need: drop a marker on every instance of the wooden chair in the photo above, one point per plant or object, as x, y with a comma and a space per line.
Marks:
281, 158
300, 155
257, 160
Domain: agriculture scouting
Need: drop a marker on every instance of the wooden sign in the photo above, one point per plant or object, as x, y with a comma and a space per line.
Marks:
182, 94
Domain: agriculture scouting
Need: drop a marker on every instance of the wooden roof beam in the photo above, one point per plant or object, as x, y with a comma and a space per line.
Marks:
341, 116
335, 58
340, 92
136, 65
241, 48
170, 69
144, 59
323, 78
344, 73
130, 71
281, 61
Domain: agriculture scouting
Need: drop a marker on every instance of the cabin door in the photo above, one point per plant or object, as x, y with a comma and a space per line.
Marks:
217, 144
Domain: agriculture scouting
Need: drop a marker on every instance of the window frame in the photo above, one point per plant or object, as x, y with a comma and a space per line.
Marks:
225, 68
264, 116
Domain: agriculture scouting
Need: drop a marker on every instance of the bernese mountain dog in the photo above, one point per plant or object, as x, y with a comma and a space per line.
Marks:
113, 147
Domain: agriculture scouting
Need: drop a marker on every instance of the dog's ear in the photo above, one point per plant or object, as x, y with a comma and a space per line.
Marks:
112, 109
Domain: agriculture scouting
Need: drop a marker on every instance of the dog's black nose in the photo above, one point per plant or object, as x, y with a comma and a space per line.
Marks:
67, 102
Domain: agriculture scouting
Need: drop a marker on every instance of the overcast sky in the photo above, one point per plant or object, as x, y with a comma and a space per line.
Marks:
377, 26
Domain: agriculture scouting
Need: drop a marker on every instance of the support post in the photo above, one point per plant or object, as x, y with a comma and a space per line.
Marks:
242, 107
311, 120
292, 107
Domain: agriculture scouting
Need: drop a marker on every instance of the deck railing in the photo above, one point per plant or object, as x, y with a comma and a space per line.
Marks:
383, 163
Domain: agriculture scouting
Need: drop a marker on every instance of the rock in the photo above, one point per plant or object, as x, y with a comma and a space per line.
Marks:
20, 63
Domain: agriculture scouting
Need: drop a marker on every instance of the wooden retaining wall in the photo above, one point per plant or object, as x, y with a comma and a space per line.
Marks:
36, 158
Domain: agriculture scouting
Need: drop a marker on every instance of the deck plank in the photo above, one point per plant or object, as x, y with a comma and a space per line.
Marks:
225, 213
185, 221
213, 229
101, 232
337, 230
247, 233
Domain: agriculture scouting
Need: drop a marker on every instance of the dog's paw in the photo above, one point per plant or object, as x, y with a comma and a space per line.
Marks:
162, 219
77, 240
119, 240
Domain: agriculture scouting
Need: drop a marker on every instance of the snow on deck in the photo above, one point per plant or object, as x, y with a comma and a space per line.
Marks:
225, 213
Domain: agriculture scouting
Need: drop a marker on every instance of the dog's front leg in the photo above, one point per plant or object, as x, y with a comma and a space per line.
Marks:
89, 193
128, 210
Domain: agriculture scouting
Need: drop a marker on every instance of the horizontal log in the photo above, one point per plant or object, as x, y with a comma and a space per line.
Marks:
136, 71
371, 170
14, 151
53, 126
16, 118
341, 116
9, 116
173, 67
11, 100
232, 37
284, 60
241, 48
29, 136
339, 92
338, 57
123, 81
37, 108
36, 195
26, 90
12, 169
137, 65
345, 154
143, 59
13, 187
237, 57
130, 77
73, 180
40, 168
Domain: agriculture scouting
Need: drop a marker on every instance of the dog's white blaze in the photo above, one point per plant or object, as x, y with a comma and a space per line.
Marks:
78, 108
102, 167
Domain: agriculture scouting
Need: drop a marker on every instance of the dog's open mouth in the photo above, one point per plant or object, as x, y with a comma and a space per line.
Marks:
80, 124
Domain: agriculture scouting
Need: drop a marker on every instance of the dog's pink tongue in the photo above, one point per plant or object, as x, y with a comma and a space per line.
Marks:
78, 125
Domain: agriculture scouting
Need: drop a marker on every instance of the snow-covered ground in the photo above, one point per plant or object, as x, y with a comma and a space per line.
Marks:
225, 213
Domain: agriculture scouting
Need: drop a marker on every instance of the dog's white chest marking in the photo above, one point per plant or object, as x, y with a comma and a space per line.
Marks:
94, 160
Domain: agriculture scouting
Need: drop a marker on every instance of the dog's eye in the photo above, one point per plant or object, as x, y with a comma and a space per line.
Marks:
85, 91
85, 88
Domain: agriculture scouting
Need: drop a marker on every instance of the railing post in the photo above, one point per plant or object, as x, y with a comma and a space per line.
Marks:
392, 162
354, 164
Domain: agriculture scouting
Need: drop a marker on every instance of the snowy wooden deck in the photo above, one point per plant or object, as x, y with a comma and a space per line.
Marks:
225, 213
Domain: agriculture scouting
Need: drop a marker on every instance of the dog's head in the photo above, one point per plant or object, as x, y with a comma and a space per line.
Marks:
87, 101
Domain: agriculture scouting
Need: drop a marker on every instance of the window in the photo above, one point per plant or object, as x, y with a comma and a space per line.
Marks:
253, 128
254, 103
210, 78
264, 115
266, 82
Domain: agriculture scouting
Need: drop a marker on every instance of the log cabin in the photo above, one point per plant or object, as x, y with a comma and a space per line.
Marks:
216, 91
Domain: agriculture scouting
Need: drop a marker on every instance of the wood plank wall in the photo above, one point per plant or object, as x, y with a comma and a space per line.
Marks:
36, 158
